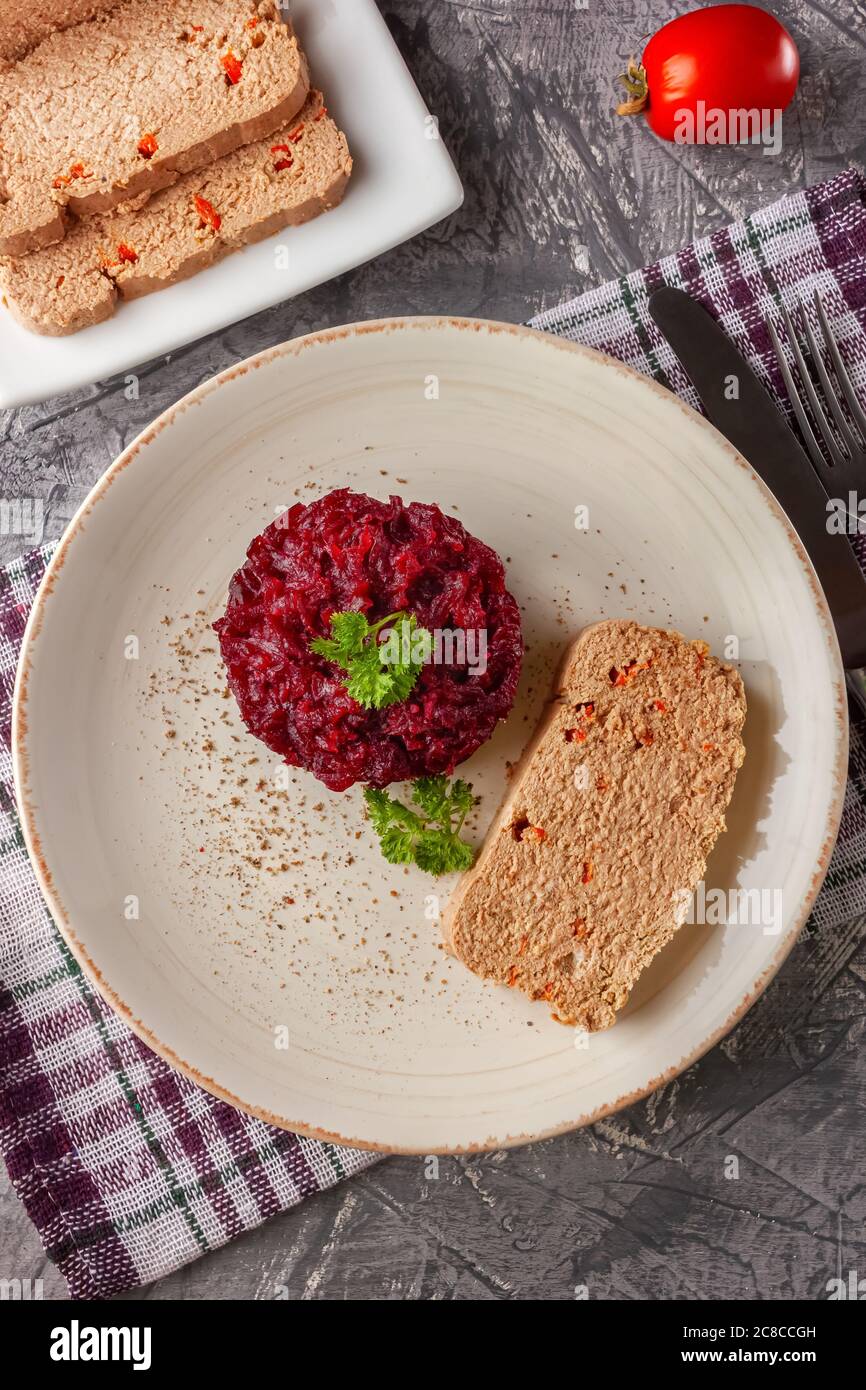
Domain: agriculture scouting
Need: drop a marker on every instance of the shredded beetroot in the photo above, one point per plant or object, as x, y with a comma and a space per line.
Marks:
348, 551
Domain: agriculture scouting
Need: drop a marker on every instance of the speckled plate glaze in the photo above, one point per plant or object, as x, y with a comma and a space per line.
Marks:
239, 915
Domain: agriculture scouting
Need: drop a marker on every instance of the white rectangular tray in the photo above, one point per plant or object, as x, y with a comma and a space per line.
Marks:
403, 182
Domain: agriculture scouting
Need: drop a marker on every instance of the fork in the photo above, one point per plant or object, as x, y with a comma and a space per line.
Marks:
846, 469
841, 462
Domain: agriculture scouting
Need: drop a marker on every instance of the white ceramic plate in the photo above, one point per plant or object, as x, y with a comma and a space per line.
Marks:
266, 916
403, 182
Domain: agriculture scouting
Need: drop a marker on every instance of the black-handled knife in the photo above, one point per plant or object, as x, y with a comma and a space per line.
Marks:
756, 428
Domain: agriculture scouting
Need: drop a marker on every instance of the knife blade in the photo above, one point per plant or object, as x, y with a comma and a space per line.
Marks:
757, 429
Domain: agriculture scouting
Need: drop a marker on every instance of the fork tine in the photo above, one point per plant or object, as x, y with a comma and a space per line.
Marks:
857, 412
824, 427
852, 444
821, 467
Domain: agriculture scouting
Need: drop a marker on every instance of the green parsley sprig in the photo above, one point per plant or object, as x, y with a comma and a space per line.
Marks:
378, 675
430, 836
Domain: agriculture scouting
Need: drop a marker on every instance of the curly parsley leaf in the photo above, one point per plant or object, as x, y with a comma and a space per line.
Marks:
430, 837
432, 795
378, 674
366, 682
398, 846
378, 808
438, 801
462, 799
441, 852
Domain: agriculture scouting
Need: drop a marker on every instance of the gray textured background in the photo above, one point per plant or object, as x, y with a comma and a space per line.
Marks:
638, 1206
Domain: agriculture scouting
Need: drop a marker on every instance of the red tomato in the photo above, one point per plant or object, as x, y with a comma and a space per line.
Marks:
731, 58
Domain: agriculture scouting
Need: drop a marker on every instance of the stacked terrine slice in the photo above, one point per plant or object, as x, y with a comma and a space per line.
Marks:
142, 144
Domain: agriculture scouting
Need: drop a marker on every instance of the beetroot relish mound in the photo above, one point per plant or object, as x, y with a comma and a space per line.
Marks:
347, 552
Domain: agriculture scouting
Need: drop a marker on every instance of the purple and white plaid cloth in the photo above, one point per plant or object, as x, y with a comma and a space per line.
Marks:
127, 1169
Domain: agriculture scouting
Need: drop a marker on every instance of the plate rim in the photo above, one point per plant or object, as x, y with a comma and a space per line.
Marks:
293, 347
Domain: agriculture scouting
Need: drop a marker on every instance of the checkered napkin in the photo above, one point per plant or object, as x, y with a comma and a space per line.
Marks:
127, 1169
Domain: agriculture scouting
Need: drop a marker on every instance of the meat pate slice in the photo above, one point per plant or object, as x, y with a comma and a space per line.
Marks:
615, 806
124, 103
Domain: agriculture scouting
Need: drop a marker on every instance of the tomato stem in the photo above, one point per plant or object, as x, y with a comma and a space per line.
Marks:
634, 80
